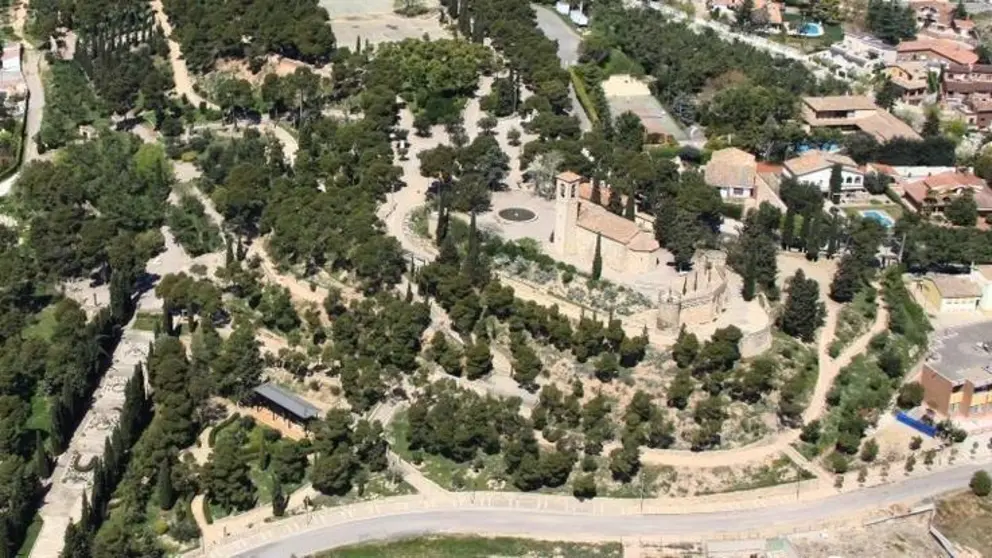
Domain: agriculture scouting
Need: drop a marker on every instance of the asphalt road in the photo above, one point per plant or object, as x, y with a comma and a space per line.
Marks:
36, 106
551, 24
556, 524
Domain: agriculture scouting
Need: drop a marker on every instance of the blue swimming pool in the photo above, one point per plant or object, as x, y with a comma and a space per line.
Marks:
880, 217
810, 29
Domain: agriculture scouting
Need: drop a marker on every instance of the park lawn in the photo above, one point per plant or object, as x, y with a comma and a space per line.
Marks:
32, 535
476, 547
146, 321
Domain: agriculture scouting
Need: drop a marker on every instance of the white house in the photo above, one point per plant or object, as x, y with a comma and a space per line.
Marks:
815, 168
733, 172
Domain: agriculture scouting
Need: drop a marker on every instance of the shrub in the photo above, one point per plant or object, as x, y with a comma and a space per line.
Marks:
981, 484
212, 437
837, 463
869, 451
910, 395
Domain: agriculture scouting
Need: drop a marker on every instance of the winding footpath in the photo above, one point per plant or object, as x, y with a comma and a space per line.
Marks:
180, 73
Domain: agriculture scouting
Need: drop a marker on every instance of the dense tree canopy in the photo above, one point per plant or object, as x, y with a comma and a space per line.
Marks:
209, 30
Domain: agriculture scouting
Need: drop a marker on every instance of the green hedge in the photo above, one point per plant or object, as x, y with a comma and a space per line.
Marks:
212, 437
583, 94
732, 210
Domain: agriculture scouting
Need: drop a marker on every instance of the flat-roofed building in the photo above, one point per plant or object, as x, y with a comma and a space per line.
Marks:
958, 393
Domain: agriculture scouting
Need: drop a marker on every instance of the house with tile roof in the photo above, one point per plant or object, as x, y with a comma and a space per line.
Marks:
853, 113
933, 193
733, 171
625, 246
936, 50
816, 167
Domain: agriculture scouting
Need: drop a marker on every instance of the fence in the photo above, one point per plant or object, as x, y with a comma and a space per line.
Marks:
918, 425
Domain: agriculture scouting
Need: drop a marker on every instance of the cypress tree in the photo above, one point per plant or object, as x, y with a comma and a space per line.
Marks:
597, 259
813, 241
596, 196
472, 267
748, 291
60, 427
788, 229
41, 464
5, 550
164, 490
441, 232
630, 210
279, 500
409, 293
836, 183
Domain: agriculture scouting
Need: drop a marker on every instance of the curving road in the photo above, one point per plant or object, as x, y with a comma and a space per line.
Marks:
337, 528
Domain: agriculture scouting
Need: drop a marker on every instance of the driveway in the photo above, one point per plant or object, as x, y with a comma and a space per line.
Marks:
551, 24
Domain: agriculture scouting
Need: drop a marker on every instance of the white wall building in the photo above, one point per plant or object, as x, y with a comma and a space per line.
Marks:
815, 168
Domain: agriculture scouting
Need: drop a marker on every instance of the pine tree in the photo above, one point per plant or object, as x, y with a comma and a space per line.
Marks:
597, 258
164, 489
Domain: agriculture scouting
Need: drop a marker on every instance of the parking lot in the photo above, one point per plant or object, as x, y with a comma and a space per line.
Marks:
958, 348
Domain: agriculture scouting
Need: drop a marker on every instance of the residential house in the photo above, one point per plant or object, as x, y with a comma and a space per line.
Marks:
933, 193
967, 89
733, 172
936, 50
851, 113
762, 13
942, 293
816, 167
957, 393
935, 19
912, 78
12, 84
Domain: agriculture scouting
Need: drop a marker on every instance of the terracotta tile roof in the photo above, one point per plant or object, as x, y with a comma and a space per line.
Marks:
885, 126
950, 50
817, 160
839, 103
605, 191
949, 185
950, 286
969, 69
964, 24
598, 220
764, 167
967, 87
730, 167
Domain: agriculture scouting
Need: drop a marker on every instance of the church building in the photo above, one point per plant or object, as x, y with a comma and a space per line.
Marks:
579, 224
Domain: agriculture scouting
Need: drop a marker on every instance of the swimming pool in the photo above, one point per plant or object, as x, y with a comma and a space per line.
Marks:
810, 29
880, 217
